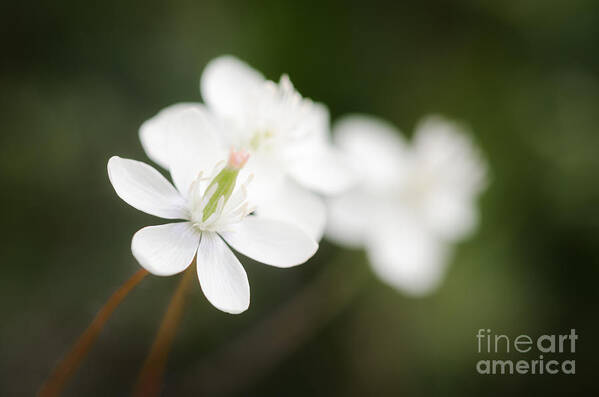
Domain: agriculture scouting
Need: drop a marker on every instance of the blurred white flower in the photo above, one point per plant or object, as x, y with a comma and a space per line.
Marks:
214, 208
413, 200
287, 136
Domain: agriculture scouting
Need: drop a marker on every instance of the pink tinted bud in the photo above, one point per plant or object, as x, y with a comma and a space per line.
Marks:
238, 158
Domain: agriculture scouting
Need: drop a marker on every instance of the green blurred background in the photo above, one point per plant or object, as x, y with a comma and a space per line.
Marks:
78, 79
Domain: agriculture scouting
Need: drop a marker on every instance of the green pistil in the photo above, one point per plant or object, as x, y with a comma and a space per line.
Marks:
225, 183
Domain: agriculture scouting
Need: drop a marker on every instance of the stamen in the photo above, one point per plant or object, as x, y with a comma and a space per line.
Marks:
222, 202
210, 220
207, 196
219, 206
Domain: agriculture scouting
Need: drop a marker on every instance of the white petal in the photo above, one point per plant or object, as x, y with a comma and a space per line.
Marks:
451, 216
311, 158
327, 171
456, 172
165, 250
446, 149
349, 217
222, 277
271, 242
193, 146
375, 148
228, 84
305, 124
407, 257
268, 177
295, 205
153, 132
144, 188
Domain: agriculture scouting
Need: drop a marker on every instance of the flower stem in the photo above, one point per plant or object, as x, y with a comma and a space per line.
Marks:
151, 375
66, 367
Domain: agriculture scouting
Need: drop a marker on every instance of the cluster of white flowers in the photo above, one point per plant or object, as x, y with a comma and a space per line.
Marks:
412, 201
251, 167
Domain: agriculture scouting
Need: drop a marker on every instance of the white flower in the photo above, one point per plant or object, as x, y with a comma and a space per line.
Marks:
413, 200
214, 208
287, 136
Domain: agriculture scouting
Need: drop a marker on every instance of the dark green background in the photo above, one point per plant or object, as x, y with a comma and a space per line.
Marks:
78, 78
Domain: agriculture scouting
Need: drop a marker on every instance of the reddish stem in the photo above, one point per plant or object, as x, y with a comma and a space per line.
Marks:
151, 375
68, 365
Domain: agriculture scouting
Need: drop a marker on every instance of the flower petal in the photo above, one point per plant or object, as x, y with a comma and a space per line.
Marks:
295, 205
165, 250
153, 132
193, 146
267, 177
222, 277
228, 85
445, 148
327, 171
453, 217
312, 160
407, 257
271, 242
348, 218
375, 148
144, 188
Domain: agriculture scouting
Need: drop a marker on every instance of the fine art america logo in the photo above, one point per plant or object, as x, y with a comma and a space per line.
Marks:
545, 348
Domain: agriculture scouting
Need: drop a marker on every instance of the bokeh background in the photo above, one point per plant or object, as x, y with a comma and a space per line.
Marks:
78, 79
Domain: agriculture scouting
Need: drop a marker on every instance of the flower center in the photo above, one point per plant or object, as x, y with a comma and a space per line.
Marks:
417, 188
260, 139
208, 207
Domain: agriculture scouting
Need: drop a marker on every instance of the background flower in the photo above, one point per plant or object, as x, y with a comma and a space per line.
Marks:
413, 200
286, 135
